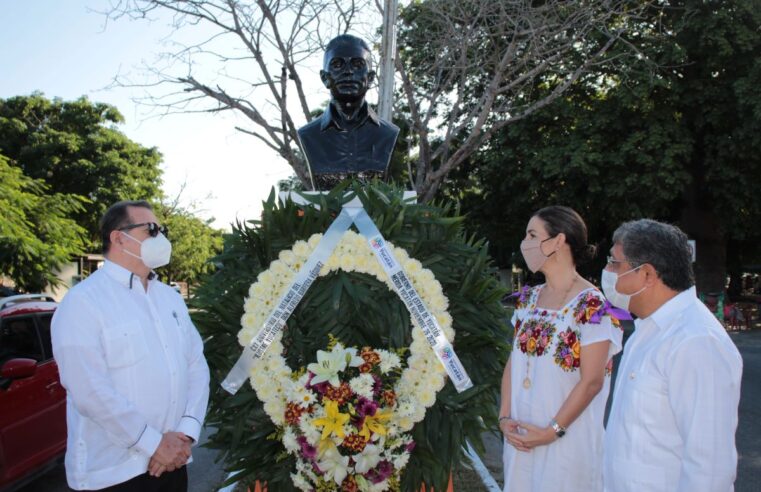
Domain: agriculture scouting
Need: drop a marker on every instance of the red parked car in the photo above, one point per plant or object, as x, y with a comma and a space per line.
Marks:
32, 400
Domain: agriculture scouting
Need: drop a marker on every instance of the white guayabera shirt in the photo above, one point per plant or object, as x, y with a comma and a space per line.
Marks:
674, 415
133, 367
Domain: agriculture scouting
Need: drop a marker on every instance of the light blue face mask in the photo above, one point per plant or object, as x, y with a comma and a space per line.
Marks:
616, 298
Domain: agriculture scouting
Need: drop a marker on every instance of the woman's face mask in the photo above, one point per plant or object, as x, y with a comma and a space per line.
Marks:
531, 249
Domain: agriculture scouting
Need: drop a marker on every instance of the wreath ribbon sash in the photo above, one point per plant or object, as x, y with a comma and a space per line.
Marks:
310, 271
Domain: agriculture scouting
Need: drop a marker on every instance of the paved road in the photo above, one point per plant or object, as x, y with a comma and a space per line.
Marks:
203, 474
748, 435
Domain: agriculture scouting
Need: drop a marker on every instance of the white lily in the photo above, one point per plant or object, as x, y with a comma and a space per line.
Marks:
334, 465
327, 367
350, 354
367, 459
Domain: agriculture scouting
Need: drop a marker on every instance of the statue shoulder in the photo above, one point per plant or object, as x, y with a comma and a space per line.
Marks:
388, 127
310, 128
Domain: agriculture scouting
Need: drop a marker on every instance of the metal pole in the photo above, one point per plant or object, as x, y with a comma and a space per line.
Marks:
388, 50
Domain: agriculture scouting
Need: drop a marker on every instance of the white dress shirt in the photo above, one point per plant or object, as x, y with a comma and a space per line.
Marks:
674, 416
133, 367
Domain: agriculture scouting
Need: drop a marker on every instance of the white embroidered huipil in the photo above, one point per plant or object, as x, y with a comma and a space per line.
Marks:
546, 351
133, 367
674, 415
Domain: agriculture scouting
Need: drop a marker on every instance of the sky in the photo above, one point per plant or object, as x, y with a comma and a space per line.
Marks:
65, 49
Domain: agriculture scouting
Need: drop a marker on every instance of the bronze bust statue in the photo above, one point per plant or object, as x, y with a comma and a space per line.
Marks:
349, 139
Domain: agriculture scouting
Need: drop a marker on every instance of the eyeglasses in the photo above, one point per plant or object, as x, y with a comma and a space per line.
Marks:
153, 228
613, 261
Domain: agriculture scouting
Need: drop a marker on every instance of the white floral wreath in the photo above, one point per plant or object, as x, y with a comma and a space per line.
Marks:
271, 377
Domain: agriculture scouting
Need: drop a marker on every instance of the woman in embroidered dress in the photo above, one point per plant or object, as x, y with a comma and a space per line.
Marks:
556, 382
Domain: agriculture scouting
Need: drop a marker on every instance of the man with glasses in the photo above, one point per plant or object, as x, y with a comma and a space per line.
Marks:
674, 415
132, 364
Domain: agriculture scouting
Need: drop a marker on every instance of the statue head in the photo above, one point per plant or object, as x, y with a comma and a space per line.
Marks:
347, 69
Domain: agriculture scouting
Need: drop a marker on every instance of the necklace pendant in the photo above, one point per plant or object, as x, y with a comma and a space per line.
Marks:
527, 382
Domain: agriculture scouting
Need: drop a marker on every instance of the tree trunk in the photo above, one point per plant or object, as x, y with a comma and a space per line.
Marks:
702, 225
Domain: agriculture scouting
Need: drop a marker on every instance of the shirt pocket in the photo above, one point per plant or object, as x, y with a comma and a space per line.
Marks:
124, 344
649, 398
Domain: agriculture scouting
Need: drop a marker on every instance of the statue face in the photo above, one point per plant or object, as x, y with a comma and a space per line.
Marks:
347, 73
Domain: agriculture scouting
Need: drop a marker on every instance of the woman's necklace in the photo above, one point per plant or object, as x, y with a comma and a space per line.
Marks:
527, 379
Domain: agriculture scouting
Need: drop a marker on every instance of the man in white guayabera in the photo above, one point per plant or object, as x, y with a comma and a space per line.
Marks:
674, 416
132, 363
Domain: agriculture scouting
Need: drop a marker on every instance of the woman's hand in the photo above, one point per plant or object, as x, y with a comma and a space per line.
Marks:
525, 437
510, 430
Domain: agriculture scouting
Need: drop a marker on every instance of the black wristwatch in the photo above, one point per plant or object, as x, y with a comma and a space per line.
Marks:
559, 430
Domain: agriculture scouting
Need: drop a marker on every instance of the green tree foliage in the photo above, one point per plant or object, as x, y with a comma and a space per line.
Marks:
37, 233
360, 311
76, 149
194, 243
673, 134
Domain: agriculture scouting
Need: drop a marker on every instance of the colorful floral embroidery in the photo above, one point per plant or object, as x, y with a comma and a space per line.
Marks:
523, 296
568, 350
587, 308
535, 336
592, 307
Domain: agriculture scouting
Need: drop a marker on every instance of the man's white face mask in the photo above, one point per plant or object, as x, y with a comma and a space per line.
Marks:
616, 298
154, 251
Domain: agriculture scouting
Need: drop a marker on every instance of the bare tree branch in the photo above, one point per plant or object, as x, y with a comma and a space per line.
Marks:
468, 68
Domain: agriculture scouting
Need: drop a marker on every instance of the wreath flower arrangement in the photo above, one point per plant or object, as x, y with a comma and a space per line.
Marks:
353, 302
345, 416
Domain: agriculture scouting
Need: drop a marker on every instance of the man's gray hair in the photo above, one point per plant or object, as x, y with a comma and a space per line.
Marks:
663, 246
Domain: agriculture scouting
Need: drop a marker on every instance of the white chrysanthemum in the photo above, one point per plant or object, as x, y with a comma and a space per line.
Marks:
362, 385
347, 262
258, 290
334, 262
314, 240
289, 440
419, 414
250, 304
361, 264
405, 423
306, 470
400, 461
427, 396
400, 254
416, 362
412, 267
389, 361
300, 482
439, 303
265, 392
248, 320
444, 319
283, 273
259, 379
406, 407
301, 249
276, 411
310, 432
287, 257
